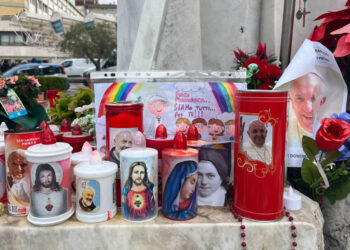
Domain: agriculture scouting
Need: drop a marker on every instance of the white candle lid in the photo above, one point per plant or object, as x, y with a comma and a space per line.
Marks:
55, 152
95, 168
84, 154
291, 200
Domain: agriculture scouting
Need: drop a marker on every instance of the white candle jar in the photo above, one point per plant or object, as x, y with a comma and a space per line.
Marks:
95, 196
50, 183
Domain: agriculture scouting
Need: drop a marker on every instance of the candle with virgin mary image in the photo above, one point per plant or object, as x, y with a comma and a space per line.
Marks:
179, 180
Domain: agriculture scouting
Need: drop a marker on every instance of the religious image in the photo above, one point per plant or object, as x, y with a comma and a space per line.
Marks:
18, 179
213, 175
256, 139
138, 193
2, 179
180, 192
120, 139
48, 197
90, 195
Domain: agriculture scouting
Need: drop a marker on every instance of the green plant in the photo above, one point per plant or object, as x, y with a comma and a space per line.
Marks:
65, 106
52, 82
27, 89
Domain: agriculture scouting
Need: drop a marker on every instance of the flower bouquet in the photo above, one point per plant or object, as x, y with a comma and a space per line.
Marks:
85, 118
334, 33
17, 96
262, 71
324, 171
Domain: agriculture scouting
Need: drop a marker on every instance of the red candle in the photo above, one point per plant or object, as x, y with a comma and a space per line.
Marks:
259, 154
179, 180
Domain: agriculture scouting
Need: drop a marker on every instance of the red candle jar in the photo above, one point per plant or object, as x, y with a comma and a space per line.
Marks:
76, 141
259, 153
179, 180
17, 169
3, 198
122, 119
160, 141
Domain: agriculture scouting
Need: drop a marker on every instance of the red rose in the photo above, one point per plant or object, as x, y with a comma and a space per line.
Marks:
274, 71
332, 134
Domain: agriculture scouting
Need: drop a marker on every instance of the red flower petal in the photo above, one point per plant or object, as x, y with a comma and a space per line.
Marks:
343, 47
334, 15
342, 30
318, 33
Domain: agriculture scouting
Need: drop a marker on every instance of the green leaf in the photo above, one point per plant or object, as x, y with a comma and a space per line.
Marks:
330, 157
310, 148
340, 189
332, 198
309, 171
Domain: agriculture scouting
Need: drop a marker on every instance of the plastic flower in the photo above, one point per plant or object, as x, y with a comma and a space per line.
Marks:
2, 84
34, 81
332, 134
12, 80
262, 71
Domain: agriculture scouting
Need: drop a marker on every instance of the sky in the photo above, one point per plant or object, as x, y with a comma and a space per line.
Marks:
107, 1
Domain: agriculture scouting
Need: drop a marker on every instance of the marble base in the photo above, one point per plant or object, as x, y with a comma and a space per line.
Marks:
212, 228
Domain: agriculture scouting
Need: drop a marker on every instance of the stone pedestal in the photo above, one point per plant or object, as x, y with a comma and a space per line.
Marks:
212, 228
337, 224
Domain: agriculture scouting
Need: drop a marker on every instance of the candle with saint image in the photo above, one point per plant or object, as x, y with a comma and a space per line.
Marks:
95, 180
49, 164
179, 180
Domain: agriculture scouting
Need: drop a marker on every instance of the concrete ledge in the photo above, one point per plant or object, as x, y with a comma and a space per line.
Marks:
212, 228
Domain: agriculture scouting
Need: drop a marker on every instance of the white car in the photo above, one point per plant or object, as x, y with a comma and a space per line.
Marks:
75, 67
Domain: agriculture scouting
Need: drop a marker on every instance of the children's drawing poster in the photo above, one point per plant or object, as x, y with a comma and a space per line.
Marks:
207, 105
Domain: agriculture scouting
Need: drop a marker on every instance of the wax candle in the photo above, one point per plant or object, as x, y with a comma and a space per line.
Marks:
76, 138
291, 200
139, 181
122, 119
78, 157
179, 180
2, 169
160, 141
17, 169
49, 164
193, 137
95, 189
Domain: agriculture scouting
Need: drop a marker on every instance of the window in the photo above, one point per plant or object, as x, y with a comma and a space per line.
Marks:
49, 70
11, 38
67, 64
26, 71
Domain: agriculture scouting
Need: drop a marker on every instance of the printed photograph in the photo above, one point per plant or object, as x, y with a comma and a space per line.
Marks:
48, 197
90, 195
139, 195
213, 174
180, 192
256, 139
18, 179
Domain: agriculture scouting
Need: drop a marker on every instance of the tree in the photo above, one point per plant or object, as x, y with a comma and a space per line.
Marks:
95, 42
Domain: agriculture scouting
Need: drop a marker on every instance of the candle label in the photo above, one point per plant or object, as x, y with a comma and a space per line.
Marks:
119, 139
50, 193
180, 190
17, 169
139, 179
88, 195
2, 179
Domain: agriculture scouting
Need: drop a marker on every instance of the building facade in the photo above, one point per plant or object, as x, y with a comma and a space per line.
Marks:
26, 29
